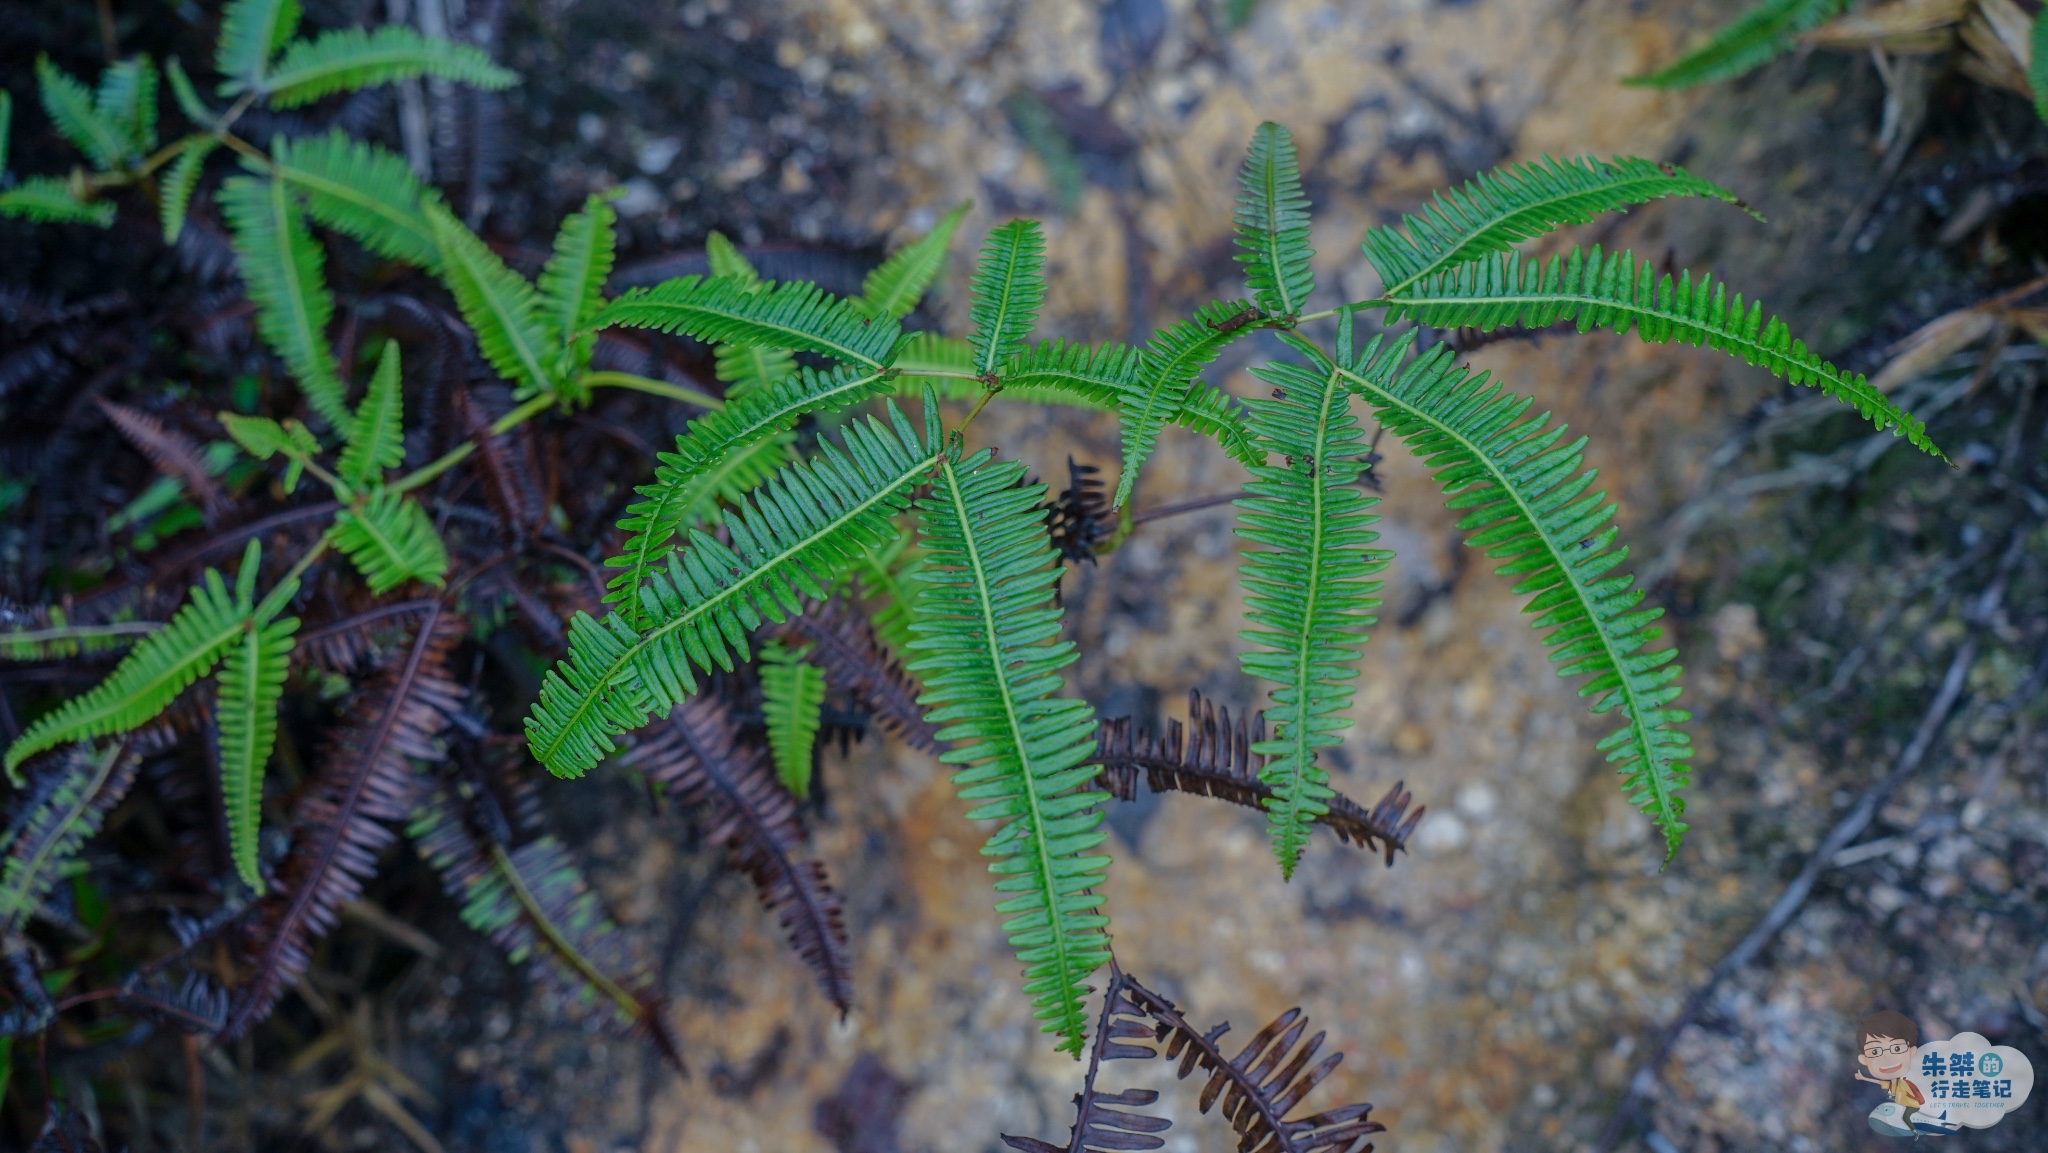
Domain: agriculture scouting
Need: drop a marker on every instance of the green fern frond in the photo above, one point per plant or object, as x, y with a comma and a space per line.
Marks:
709, 445
1214, 413
727, 260
1523, 494
391, 540
513, 328
6, 124
792, 693
175, 199
745, 368
347, 59
693, 501
376, 437
251, 32
945, 364
187, 96
898, 283
889, 576
283, 270
1499, 209
1757, 37
363, 191
48, 836
791, 538
732, 310
1272, 224
71, 108
57, 639
987, 647
1308, 598
1007, 290
2037, 64
49, 200
251, 684
126, 99
161, 665
1617, 293
1100, 377
264, 438
1166, 372
572, 283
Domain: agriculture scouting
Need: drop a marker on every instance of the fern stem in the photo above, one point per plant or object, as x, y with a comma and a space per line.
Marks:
81, 632
461, 452
627, 1003
651, 387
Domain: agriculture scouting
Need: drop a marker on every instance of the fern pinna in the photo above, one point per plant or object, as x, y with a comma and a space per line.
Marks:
891, 567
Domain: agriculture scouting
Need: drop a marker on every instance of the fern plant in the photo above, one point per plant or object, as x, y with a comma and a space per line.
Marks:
766, 570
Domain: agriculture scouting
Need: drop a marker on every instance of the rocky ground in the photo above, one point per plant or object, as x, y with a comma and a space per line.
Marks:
1500, 986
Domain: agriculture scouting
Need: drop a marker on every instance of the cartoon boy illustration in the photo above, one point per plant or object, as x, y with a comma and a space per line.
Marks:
1886, 1043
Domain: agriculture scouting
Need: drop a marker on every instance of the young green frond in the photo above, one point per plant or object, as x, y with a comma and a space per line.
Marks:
989, 652
1522, 490
263, 438
572, 283
187, 96
346, 59
283, 269
1307, 594
251, 684
376, 437
792, 693
1497, 210
791, 538
1272, 224
714, 444
732, 310
176, 198
513, 328
1007, 290
1616, 292
159, 667
1166, 372
126, 99
364, 191
251, 32
898, 283
1753, 40
391, 540
78, 119
49, 200
727, 260
47, 837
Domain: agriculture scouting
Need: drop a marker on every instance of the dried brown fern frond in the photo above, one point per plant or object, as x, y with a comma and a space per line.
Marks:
1212, 757
1101, 1124
698, 754
170, 452
511, 469
363, 789
1080, 520
857, 663
1261, 1084
364, 638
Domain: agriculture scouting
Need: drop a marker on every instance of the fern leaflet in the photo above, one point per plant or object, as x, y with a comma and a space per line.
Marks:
71, 108
176, 198
898, 283
364, 191
1307, 593
1007, 290
572, 283
159, 667
376, 435
187, 96
284, 271
513, 329
126, 100
1499, 209
390, 540
745, 368
65, 813
989, 652
49, 200
733, 310
711, 445
1753, 40
251, 684
346, 59
1616, 292
791, 538
792, 693
251, 32
1523, 492
1272, 224
1165, 375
